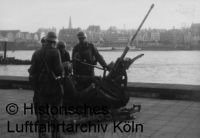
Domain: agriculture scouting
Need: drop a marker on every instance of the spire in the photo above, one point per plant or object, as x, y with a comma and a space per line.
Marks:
70, 23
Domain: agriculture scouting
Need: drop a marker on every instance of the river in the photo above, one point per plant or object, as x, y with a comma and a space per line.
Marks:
172, 67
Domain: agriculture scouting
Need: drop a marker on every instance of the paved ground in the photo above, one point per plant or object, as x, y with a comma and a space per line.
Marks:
160, 118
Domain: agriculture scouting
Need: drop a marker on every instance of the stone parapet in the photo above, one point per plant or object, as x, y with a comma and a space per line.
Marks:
147, 90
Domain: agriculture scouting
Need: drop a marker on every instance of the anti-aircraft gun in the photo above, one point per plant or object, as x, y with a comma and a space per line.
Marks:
117, 76
118, 70
113, 85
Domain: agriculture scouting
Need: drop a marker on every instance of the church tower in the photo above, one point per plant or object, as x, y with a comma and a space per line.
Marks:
70, 23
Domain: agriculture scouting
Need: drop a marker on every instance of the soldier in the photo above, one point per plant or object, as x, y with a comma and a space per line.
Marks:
43, 41
47, 67
63, 52
72, 97
88, 53
34, 84
92, 95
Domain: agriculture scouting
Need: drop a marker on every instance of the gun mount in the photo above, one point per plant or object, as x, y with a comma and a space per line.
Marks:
118, 73
110, 90
115, 83
118, 70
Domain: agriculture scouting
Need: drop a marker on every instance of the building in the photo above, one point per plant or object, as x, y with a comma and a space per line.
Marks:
93, 34
195, 29
112, 30
196, 39
93, 37
155, 36
187, 37
16, 37
11, 35
28, 36
94, 29
42, 32
69, 35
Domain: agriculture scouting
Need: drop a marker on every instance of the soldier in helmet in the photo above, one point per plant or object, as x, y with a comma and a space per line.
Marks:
63, 52
88, 53
36, 96
43, 41
47, 67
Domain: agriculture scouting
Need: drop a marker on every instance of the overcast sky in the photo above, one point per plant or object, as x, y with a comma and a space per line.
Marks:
30, 15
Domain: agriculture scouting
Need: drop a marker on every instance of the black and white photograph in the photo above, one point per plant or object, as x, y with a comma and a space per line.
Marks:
99, 69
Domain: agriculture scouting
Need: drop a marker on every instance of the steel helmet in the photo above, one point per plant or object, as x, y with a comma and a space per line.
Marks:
61, 44
43, 40
81, 34
51, 36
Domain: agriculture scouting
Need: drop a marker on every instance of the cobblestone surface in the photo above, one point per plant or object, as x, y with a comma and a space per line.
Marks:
158, 118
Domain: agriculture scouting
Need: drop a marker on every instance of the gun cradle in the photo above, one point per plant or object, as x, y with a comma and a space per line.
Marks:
118, 73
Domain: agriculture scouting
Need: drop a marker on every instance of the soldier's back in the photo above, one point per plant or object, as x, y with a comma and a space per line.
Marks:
53, 59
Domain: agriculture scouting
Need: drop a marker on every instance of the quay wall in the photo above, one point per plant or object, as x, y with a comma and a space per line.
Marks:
147, 90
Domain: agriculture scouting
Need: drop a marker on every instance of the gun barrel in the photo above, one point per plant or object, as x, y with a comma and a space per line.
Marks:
141, 24
118, 61
127, 47
125, 52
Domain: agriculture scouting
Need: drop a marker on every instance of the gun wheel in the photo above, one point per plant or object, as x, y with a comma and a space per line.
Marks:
122, 81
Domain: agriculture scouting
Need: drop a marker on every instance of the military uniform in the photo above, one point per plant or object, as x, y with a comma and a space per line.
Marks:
49, 91
43, 41
87, 53
63, 52
64, 55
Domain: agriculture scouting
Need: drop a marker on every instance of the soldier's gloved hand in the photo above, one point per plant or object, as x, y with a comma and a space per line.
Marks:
108, 68
76, 60
92, 86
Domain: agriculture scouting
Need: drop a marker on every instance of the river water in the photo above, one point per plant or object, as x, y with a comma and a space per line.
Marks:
172, 67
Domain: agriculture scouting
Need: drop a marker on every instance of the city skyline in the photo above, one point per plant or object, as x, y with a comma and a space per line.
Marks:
27, 15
